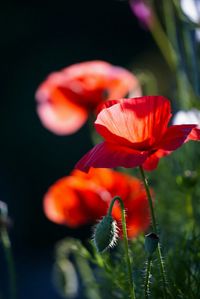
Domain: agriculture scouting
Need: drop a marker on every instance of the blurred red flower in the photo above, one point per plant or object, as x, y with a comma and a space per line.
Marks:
83, 198
136, 133
66, 97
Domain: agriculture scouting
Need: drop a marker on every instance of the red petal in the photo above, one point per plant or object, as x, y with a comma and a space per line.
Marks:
57, 206
152, 161
194, 135
175, 136
66, 97
140, 121
117, 81
73, 201
57, 113
108, 155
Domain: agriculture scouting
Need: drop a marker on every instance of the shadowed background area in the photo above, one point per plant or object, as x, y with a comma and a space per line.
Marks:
37, 38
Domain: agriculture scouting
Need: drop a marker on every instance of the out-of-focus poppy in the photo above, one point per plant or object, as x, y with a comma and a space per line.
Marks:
67, 97
83, 198
136, 133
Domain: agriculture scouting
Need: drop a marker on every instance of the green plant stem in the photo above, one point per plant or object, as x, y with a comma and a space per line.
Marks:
190, 212
147, 278
163, 42
154, 225
131, 285
150, 201
9, 260
87, 276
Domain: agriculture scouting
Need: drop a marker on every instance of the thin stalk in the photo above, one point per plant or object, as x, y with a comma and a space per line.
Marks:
182, 82
163, 42
9, 260
146, 185
154, 225
190, 212
131, 285
147, 277
91, 288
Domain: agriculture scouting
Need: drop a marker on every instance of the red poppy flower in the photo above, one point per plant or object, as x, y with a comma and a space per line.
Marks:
136, 133
66, 98
84, 198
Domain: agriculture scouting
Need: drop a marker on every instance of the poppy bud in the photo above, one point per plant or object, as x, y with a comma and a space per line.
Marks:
106, 233
151, 243
188, 179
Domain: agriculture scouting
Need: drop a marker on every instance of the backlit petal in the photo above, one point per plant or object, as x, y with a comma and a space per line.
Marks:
140, 121
108, 155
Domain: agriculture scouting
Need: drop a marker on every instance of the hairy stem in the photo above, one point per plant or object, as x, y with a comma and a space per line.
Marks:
131, 285
154, 225
147, 278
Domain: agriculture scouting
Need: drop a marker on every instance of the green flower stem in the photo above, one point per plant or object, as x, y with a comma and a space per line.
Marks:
153, 217
168, 45
163, 42
131, 285
190, 212
184, 88
9, 259
91, 287
147, 278
154, 225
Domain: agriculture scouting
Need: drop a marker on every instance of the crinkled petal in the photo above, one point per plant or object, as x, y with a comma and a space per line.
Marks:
109, 155
140, 121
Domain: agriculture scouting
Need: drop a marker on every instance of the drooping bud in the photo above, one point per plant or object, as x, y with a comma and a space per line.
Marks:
105, 233
151, 243
65, 278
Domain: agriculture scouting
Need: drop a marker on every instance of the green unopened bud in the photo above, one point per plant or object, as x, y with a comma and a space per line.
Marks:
188, 179
105, 233
151, 243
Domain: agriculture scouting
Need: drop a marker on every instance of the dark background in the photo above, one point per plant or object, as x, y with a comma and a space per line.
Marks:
38, 37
